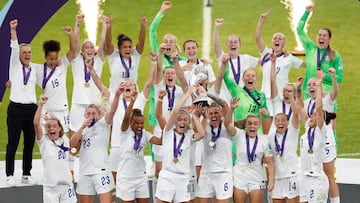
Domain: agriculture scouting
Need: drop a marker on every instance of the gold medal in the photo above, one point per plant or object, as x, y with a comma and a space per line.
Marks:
175, 160
87, 84
24, 87
310, 151
73, 150
211, 144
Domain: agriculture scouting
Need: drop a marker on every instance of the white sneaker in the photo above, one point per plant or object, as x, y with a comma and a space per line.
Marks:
10, 181
28, 180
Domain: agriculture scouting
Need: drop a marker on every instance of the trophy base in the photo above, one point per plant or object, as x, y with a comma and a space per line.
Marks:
298, 53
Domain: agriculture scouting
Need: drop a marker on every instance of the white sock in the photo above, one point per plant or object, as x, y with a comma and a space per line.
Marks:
335, 199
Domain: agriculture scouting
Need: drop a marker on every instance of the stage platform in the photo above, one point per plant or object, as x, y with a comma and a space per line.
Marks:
348, 178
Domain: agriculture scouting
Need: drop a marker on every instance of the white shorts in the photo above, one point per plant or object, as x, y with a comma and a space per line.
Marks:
59, 193
329, 153
77, 112
199, 150
219, 185
270, 106
314, 189
95, 184
62, 116
114, 156
128, 189
286, 188
193, 187
173, 187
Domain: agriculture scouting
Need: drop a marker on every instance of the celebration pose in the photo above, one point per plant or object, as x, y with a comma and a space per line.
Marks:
178, 146
315, 185
252, 153
319, 55
54, 147
238, 63
92, 141
22, 107
284, 62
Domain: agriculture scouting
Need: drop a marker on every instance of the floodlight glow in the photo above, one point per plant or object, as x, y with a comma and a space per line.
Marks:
91, 10
296, 10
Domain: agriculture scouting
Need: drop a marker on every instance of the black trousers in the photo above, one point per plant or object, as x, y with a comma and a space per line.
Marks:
20, 118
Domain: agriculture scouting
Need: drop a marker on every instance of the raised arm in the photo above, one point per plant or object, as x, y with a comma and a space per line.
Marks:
110, 114
258, 38
295, 118
224, 105
37, 117
72, 38
274, 88
78, 19
154, 42
334, 92
150, 79
228, 121
159, 114
179, 72
100, 51
218, 23
142, 35
108, 46
177, 107
200, 131
126, 120
319, 104
103, 89
220, 75
13, 26
304, 38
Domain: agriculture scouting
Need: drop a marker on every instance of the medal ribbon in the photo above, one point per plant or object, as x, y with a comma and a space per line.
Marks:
284, 110
127, 69
319, 61
311, 136
125, 104
214, 136
171, 97
266, 58
46, 79
236, 75
252, 96
280, 150
26, 76
137, 140
177, 149
87, 72
310, 111
251, 156
62, 147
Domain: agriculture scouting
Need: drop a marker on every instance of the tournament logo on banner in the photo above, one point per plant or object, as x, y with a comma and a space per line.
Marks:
32, 15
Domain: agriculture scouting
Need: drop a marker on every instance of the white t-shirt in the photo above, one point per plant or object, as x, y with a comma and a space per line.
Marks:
183, 164
219, 157
82, 94
328, 105
283, 66
55, 88
18, 94
246, 62
286, 165
312, 164
250, 171
117, 70
94, 158
132, 162
55, 161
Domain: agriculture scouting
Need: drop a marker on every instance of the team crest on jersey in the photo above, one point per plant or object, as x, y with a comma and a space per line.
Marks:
327, 58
